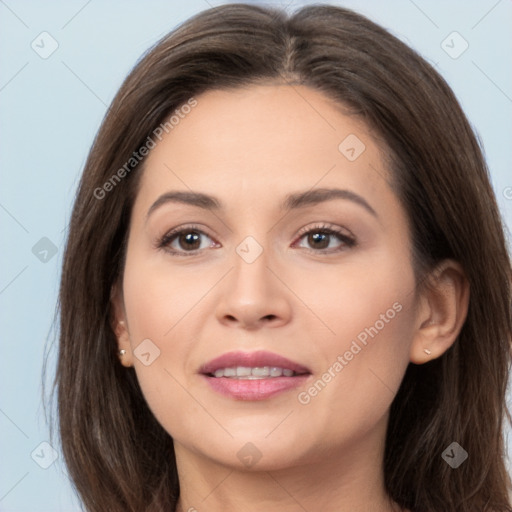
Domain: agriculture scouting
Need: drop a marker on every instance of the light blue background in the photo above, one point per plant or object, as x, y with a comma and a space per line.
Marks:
50, 111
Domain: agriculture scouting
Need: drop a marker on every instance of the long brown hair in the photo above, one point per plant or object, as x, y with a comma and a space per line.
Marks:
118, 455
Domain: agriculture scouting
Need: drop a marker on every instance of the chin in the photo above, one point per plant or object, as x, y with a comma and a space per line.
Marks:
251, 451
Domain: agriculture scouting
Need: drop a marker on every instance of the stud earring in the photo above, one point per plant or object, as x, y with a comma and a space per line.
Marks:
427, 351
122, 353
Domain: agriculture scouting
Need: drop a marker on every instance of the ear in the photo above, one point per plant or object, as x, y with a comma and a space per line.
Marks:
442, 310
120, 326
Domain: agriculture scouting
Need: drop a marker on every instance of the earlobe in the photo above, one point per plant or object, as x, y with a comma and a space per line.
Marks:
441, 313
120, 327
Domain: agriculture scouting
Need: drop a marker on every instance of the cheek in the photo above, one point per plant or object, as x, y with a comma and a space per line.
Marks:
154, 314
161, 297
166, 306
369, 298
370, 313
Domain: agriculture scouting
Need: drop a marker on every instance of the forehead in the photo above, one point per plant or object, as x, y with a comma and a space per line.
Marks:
250, 144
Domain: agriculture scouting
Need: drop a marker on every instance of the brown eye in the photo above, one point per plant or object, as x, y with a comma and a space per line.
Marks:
326, 239
190, 240
186, 240
319, 240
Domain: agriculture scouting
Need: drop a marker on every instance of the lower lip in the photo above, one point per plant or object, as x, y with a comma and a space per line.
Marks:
254, 389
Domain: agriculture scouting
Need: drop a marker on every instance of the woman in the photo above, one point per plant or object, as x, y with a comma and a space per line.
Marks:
286, 285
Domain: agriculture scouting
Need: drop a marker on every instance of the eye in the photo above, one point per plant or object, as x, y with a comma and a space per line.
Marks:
322, 238
183, 240
188, 240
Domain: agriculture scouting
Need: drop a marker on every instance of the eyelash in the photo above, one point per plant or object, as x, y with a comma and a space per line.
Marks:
348, 241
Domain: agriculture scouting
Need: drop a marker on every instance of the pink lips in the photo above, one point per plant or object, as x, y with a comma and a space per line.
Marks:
257, 389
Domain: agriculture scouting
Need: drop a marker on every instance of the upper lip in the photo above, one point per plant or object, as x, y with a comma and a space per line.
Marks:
251, 359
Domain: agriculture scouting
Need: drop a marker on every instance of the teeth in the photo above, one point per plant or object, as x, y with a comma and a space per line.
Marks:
261, 372
276, 372
241, 371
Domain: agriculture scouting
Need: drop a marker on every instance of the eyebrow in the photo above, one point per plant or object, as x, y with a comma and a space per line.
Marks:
320, 195
293, 201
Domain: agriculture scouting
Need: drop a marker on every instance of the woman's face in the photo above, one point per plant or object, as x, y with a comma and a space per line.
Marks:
293, 264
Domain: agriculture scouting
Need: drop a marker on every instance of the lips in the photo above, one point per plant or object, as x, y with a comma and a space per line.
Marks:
253, 375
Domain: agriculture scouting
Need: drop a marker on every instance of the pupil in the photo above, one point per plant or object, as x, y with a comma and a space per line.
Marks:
190, 239
320, 237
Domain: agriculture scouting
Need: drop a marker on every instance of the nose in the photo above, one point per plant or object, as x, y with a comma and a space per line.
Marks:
253, 296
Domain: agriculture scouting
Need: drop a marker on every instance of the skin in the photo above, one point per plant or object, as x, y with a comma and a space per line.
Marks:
250, 148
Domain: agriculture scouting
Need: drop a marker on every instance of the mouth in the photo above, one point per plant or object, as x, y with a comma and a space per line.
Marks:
253, 375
